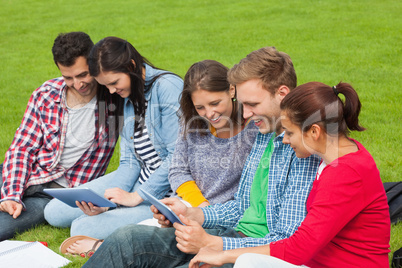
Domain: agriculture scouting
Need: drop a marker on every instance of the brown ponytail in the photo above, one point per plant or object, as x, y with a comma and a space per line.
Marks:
317, 103
351, 106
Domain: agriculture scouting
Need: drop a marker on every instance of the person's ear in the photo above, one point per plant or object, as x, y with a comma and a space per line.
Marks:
315, 131
132, 67
232, 91
282, 91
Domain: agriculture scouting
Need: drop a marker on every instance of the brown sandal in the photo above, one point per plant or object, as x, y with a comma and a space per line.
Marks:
71, 240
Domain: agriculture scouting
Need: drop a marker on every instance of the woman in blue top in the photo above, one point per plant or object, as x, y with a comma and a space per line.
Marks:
148, 134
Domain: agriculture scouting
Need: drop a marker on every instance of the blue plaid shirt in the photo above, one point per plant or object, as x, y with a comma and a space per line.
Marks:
290, 181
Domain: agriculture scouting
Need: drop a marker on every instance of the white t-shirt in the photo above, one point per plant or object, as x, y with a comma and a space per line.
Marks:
79, 135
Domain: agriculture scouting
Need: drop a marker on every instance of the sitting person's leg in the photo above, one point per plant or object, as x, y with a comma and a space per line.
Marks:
145, 246
132, 244
111, 220
102, 225
35, 201
252, 260
59, 214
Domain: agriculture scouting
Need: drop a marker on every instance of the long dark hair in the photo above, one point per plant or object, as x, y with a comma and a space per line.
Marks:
113, 54
207, 75
317, 103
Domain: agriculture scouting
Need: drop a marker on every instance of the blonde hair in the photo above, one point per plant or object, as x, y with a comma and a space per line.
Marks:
272, 67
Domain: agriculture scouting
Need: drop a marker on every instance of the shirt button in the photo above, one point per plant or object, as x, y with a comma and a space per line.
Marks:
131, 137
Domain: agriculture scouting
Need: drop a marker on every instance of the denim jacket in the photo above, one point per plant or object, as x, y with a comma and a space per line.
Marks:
162, 124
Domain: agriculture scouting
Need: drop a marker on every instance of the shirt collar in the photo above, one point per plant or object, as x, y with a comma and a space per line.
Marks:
61, 97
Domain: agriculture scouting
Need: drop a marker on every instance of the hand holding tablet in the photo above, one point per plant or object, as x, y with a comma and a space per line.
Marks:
165, 210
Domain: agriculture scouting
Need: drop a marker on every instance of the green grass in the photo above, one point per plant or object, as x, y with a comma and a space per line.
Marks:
356, 41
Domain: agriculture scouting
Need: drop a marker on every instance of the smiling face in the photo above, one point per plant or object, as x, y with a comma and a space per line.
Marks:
301, 142
119, 83
259, 105
78, 79
216, 107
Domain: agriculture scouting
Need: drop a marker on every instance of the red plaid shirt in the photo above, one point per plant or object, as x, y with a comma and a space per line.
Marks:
34, 155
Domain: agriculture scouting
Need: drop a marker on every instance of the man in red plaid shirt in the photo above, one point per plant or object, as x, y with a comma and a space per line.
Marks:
64, 139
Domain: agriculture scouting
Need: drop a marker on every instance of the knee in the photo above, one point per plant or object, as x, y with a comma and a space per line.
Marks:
243, 261
48, 212
132, 232
247, 260
53, 214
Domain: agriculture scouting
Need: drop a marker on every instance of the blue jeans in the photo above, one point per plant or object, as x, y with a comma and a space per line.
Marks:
102, 225
146, 246
35, 201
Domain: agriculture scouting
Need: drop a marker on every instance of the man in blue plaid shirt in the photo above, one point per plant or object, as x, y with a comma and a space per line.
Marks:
269, 204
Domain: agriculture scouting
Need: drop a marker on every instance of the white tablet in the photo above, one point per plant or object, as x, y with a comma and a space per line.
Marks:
70, 195
165, 210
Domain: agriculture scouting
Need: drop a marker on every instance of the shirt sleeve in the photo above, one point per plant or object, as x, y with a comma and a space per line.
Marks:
339, 198
222, 215
21, 154
179, 171
190, 192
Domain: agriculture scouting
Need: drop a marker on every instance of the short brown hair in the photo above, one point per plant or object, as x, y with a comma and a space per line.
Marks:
272, 67
67, 47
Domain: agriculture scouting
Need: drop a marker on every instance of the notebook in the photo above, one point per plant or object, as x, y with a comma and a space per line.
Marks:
29, 254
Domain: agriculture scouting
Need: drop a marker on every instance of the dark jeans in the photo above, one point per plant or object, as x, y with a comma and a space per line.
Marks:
35, 201
146, 246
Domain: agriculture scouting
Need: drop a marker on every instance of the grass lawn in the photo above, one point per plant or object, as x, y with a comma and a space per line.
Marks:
356, 41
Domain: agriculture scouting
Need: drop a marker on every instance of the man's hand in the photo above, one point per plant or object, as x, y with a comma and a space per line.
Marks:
210, 258
11, 207
121, 197
175, 205
191, 237
89, 209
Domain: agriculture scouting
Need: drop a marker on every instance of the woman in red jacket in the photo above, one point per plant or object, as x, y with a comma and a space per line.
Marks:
347, 222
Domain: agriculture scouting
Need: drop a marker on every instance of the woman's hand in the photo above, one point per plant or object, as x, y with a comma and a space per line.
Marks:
210, 258
175, 205
89, 208
121, 197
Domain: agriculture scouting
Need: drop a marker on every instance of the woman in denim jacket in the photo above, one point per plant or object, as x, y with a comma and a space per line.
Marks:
149, 103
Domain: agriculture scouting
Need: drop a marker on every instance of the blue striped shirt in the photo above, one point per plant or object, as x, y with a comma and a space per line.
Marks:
290, 181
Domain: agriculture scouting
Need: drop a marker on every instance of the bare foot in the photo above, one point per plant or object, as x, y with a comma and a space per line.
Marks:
82, 246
